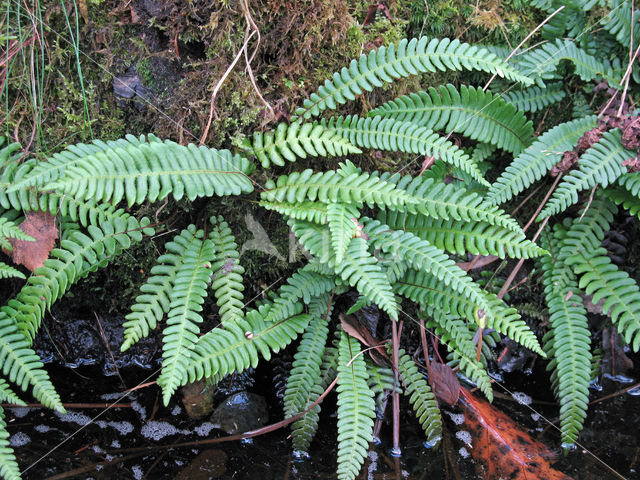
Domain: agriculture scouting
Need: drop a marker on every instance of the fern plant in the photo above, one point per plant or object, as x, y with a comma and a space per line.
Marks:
393, 238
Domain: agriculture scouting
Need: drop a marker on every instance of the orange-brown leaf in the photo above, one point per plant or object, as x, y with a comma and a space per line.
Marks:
444, 382
42, 227
352, 327
501, 448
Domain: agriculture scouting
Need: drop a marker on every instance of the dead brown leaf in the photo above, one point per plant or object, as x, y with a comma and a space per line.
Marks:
42, 227
444, 383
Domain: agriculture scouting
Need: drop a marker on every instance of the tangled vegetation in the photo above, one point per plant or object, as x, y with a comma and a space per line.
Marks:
393, 238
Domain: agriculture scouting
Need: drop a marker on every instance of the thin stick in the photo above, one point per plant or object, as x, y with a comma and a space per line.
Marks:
484, 89
69, 405
395, 395
626, 81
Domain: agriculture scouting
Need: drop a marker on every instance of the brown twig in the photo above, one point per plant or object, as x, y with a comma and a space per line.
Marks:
395, 396
106, 342
69, 405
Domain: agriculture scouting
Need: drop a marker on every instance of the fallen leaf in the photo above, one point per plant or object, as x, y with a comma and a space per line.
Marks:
209, 464
501, 448
42, 227
444, 382
353, 328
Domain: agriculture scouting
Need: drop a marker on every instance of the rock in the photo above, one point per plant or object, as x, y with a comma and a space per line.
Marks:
241, 412
197, 398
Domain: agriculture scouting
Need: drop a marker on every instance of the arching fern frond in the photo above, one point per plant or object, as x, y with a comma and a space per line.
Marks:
470, 111
541, 63
409, 57
187, 295
356, 409
157, 291
303, 384
425, 289
602, 279
361, 270
618, 22
7, 271
421, 397
234, 348
421, 255
9, 229
297, 140
538, 159
226, 281
461, 237
22, 366
586, 233
600, 165
393, 135
77, 256
9, 469
343, 224
535, 98
150, 171
331, 187
621, 196
567, 344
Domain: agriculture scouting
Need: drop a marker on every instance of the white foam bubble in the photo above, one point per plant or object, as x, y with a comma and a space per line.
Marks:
19, 439
535, 417
115, 444
464, 453
111, 396
456, 418
140, 409
464, 436
176, 410
20, 412
43, 428
137, 472
74, 417
204, 429
522, 398
156, 430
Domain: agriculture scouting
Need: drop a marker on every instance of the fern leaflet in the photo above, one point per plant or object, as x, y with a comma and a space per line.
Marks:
343, 224
9, 469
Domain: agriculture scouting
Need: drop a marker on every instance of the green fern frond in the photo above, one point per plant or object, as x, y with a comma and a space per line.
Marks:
77, 256
457, 336
602, 279
297, 140
421, 397
157, 291
361, 270
332, 187
470, 111
8, 229
187, 296
315, 238
390, 134
314, 212
461, 237
303, 384
421, 255
9, 468
600, 165
150, 171
23, 366
409, 57
356, 409
425, 289
448, 201
226, 281
586, 233
7, 271
303, 284
567, 344
618, 22
234, 348
532, 164
542, 62
343, 224
535, 98
7, 395
621, 196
